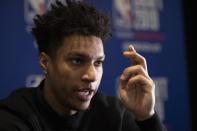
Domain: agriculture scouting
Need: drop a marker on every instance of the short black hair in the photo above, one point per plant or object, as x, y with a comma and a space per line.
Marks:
65, 19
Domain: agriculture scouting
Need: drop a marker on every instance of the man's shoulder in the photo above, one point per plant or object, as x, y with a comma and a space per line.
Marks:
18, 101
18, 94
18, 110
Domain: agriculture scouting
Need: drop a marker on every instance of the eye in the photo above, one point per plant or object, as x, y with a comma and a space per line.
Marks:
76, 61
99, 63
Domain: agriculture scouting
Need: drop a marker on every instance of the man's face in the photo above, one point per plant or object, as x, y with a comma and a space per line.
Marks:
74, 74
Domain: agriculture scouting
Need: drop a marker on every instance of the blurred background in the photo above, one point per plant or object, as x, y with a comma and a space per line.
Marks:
161, 30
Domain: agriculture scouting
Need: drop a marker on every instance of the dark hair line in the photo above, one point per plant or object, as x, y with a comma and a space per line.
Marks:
62, 20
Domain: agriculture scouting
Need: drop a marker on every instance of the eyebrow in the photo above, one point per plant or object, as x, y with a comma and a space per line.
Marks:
84, 55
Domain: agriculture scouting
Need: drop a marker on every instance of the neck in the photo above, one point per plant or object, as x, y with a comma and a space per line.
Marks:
53, 102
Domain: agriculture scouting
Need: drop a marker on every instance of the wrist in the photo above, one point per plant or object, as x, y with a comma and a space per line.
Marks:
143, 117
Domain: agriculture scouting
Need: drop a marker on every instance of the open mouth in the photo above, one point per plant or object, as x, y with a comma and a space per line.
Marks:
85, 95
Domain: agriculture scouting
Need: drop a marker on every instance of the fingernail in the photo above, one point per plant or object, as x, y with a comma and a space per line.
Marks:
131, 48
122, 77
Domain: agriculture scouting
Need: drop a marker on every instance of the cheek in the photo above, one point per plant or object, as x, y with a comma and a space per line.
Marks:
62, 76
65, 72
101, 72
99, 75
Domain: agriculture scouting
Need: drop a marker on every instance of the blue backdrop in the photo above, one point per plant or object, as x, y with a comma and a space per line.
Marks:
154, 27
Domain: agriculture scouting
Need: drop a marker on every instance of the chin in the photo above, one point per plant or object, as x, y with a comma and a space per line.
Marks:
83, 106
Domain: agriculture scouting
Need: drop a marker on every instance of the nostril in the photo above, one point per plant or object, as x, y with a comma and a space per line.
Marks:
89, 78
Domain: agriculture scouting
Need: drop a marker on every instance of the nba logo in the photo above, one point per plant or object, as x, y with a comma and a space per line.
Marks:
31, 8
122, 13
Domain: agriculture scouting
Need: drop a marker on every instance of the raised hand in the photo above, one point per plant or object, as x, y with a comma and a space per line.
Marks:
137, 89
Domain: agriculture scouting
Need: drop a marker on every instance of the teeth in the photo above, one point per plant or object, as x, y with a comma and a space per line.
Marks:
85, 93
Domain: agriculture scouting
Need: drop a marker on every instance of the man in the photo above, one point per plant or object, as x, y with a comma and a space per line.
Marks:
70, 40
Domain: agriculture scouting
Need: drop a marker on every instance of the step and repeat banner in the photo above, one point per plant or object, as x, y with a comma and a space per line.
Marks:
154, 27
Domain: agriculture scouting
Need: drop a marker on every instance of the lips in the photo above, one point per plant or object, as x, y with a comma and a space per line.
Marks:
85, 95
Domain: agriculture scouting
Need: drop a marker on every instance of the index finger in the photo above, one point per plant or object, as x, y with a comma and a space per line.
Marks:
131, 48
135, 57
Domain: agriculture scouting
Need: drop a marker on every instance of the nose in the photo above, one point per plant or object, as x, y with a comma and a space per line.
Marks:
90, 74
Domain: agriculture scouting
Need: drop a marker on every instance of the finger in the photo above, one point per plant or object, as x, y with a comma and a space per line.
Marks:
140, 82
135, 57
133, 71
131, 48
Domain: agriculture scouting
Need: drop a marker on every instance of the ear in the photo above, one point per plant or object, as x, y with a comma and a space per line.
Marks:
44, 61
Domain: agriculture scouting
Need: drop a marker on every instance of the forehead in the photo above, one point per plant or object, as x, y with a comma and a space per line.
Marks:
87, 45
